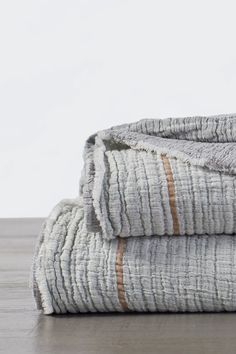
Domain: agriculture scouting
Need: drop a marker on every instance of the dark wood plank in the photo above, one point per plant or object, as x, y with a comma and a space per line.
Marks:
23, 329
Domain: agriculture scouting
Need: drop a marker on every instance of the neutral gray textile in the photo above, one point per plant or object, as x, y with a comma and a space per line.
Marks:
124, 186
153, 227
75, 270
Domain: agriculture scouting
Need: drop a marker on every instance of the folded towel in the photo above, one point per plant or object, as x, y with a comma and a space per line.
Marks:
153, 228
162, 177
76, 271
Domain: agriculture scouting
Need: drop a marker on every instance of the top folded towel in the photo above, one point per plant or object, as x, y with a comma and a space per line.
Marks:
174, 176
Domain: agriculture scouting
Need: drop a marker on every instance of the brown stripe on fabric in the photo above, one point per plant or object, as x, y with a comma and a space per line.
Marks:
171, 191
119, 273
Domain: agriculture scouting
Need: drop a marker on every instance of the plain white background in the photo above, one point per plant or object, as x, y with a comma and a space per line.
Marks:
70, 68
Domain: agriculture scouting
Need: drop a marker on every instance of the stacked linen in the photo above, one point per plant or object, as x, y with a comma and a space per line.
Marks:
153, 228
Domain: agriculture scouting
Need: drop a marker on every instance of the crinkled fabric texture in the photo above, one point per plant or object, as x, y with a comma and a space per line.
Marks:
125, 183
76, 271
153, 228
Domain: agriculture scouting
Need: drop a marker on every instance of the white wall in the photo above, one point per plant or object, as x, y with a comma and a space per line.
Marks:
69, 68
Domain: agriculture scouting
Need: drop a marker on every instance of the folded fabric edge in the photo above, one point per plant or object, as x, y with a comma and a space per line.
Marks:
138, 136
41, 300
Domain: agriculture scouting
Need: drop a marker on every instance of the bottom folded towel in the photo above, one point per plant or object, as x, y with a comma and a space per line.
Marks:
76, 271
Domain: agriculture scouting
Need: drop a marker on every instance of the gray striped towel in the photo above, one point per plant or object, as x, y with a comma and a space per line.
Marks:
153, 228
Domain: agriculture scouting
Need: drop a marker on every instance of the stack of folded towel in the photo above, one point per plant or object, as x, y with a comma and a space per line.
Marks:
153, 228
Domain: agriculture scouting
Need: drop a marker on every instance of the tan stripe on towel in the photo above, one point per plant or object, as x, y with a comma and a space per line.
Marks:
119, 273
171, 191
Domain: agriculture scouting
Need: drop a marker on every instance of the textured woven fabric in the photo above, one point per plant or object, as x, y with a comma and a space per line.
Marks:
77, 271
176, 175
153, 228
137, 194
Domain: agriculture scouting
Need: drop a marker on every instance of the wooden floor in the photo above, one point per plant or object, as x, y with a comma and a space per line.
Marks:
25, 330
